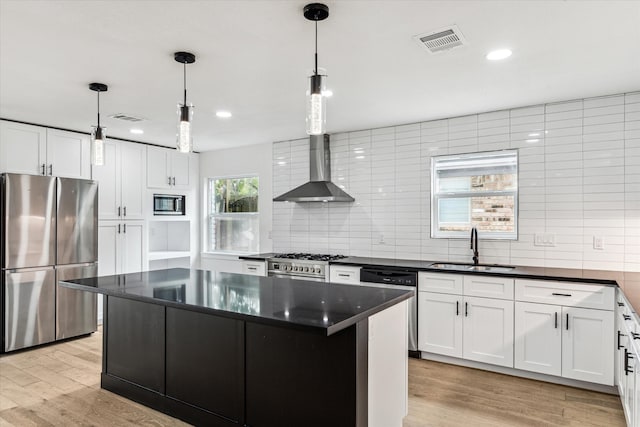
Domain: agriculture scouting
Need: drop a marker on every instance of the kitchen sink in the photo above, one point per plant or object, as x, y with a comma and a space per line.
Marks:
472, 267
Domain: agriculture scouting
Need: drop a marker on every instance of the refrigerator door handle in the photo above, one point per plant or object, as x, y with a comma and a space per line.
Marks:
27, 269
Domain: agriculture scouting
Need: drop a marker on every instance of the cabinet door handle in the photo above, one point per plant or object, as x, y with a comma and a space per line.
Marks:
555, 322
169, 178
124, 228
174, 180
51, 169
556, 294
626, 317
118, 228
620, 334
627, 368
457, 308
466, 309
567, 321
124, 211
43, 169
119, 211
620, 304
635, 336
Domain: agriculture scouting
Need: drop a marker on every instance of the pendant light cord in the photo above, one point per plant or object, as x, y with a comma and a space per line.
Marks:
315, 71
184, 65
98, 108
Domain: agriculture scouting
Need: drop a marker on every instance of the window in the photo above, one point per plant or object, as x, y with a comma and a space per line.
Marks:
475, 190
233, 214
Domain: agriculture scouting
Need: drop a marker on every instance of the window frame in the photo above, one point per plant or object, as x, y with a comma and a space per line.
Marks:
209, 215
435, 233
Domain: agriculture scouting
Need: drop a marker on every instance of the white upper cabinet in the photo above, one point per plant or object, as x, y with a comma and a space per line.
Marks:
120, 180
36, 150
22, 148
68, 154
167, 168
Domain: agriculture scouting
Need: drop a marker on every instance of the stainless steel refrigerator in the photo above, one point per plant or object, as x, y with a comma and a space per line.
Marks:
49, 232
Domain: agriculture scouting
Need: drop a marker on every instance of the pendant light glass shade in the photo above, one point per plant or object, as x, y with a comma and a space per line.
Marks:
316, 106
98, 132
97, 145
184, 143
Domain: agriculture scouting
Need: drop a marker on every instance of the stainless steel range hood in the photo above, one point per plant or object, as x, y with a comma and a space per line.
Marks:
319, 188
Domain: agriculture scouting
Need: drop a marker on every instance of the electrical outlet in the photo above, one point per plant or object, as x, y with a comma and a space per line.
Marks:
544, 239
598, 242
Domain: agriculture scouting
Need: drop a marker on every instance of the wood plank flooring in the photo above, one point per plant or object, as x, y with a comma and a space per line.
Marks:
59, 385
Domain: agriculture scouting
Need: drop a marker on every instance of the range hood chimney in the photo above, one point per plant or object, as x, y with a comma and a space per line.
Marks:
319, 188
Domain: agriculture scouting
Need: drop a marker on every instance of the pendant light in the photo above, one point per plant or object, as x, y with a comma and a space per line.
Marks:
316, 99
185, 111
98, 133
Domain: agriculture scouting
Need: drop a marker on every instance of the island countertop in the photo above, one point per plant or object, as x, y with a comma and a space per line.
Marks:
326, 308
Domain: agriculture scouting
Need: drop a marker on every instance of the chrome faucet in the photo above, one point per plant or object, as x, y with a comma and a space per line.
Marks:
474, 245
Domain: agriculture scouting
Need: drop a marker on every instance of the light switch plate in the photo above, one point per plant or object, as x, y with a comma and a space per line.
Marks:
544, 239
598, 243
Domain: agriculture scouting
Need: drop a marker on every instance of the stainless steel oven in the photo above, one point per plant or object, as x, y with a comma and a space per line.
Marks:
401, 278
169, 204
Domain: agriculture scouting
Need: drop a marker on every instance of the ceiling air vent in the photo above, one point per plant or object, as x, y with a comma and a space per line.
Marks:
441, 40
127, 117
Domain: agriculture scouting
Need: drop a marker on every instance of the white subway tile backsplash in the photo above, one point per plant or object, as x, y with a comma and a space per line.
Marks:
579, 177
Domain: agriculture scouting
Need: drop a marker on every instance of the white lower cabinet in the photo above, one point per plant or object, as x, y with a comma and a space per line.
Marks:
440, 323
538, 338
473, 328
344, 274
587, 345
488, 331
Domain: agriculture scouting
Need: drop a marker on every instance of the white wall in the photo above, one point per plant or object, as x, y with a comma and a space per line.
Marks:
579, 177
246, 160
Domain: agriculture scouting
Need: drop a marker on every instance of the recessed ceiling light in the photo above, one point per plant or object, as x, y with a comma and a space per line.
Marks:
136, 131
496, 55
223, 114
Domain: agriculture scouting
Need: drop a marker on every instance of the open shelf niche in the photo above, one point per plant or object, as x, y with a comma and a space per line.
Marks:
169, 244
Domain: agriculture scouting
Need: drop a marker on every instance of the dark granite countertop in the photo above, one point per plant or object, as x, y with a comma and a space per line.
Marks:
326, 308
628, 282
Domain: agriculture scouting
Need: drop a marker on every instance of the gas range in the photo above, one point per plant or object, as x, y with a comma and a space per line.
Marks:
301, 265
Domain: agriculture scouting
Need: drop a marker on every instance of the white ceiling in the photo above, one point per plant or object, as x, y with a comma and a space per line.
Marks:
253, 58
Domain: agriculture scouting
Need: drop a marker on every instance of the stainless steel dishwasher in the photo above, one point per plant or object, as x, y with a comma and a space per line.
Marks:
401, 278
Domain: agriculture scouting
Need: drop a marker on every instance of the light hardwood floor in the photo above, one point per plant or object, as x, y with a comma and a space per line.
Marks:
59, 385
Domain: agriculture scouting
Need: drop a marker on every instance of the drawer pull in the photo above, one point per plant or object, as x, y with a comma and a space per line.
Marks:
252, 268
556, 294
620, 334
620, 304
343, 275
635, 336
626, 317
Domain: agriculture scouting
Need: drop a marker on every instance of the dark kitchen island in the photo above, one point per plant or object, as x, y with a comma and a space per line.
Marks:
222, 349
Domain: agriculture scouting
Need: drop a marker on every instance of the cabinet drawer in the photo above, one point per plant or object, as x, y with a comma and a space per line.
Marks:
565, 293
488, 286
443, 283
344, 274
254, 268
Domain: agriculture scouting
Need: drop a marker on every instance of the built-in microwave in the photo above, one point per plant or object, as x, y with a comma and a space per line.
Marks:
168, 204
